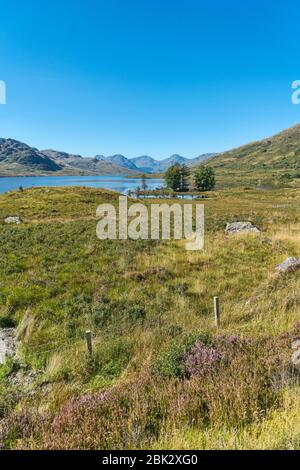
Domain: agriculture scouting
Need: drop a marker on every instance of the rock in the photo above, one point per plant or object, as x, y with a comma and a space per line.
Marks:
241, 227
24, 379
296, 344
12, 220
7, 343
296, 358
289, 265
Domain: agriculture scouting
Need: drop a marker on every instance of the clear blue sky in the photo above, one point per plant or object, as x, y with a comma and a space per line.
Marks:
147, 76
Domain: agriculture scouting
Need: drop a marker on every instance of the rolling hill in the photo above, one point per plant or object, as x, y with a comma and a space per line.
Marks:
273, 159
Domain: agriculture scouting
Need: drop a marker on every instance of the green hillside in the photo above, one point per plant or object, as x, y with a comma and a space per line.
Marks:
274, 160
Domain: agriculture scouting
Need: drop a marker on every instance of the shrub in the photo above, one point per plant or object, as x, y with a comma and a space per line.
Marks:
232, 395
123, 417
171, 361
20, 429
201, 359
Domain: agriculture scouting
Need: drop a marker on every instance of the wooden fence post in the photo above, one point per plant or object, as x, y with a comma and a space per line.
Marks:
89, 343
217, 311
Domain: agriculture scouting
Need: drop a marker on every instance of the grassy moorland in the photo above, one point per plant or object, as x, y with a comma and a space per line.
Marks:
161, 376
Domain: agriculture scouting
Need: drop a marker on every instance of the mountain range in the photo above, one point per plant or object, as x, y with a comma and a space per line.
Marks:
17, 158
273, 158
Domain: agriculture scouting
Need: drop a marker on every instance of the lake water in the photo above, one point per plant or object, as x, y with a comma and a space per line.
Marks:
121, 184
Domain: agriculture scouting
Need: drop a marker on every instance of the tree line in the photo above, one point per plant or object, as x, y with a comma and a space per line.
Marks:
177, 178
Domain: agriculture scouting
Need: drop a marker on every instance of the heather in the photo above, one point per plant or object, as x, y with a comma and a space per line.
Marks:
162, 375
135, 414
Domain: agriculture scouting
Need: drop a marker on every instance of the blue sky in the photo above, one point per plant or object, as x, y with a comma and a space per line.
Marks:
147, 76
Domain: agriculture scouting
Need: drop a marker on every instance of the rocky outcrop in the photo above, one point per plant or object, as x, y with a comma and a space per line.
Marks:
13, 220
241, 227
296, 354
7, 343
289, 265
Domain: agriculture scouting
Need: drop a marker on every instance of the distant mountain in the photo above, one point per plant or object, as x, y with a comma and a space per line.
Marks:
18, 157
201, 158
122, 161
146, 164
98, 165
56, 155
173, 160
150, 165
100, 158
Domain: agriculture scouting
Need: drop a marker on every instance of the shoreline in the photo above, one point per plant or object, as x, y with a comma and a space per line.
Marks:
138, 176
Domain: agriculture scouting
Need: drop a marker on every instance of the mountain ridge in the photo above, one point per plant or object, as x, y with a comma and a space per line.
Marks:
17, 154
274, 157
20, 159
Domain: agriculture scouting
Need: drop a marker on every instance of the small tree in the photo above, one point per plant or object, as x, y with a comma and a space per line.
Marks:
144, 185
176, 177
204, 178
184, 179
137, 191
172, 177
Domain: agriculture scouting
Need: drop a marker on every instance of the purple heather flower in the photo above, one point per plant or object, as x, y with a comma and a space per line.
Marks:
201, 359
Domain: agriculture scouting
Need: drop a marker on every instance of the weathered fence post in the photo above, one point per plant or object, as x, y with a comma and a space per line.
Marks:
89, 343
217, 311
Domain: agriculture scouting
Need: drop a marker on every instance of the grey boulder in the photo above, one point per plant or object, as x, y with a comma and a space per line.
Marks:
241, 227
7, 343
12, 220
289, 265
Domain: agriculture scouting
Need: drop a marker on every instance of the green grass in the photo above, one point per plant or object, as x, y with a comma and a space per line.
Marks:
146, 303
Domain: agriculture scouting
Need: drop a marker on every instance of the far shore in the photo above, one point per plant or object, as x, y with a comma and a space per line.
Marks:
138, 175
